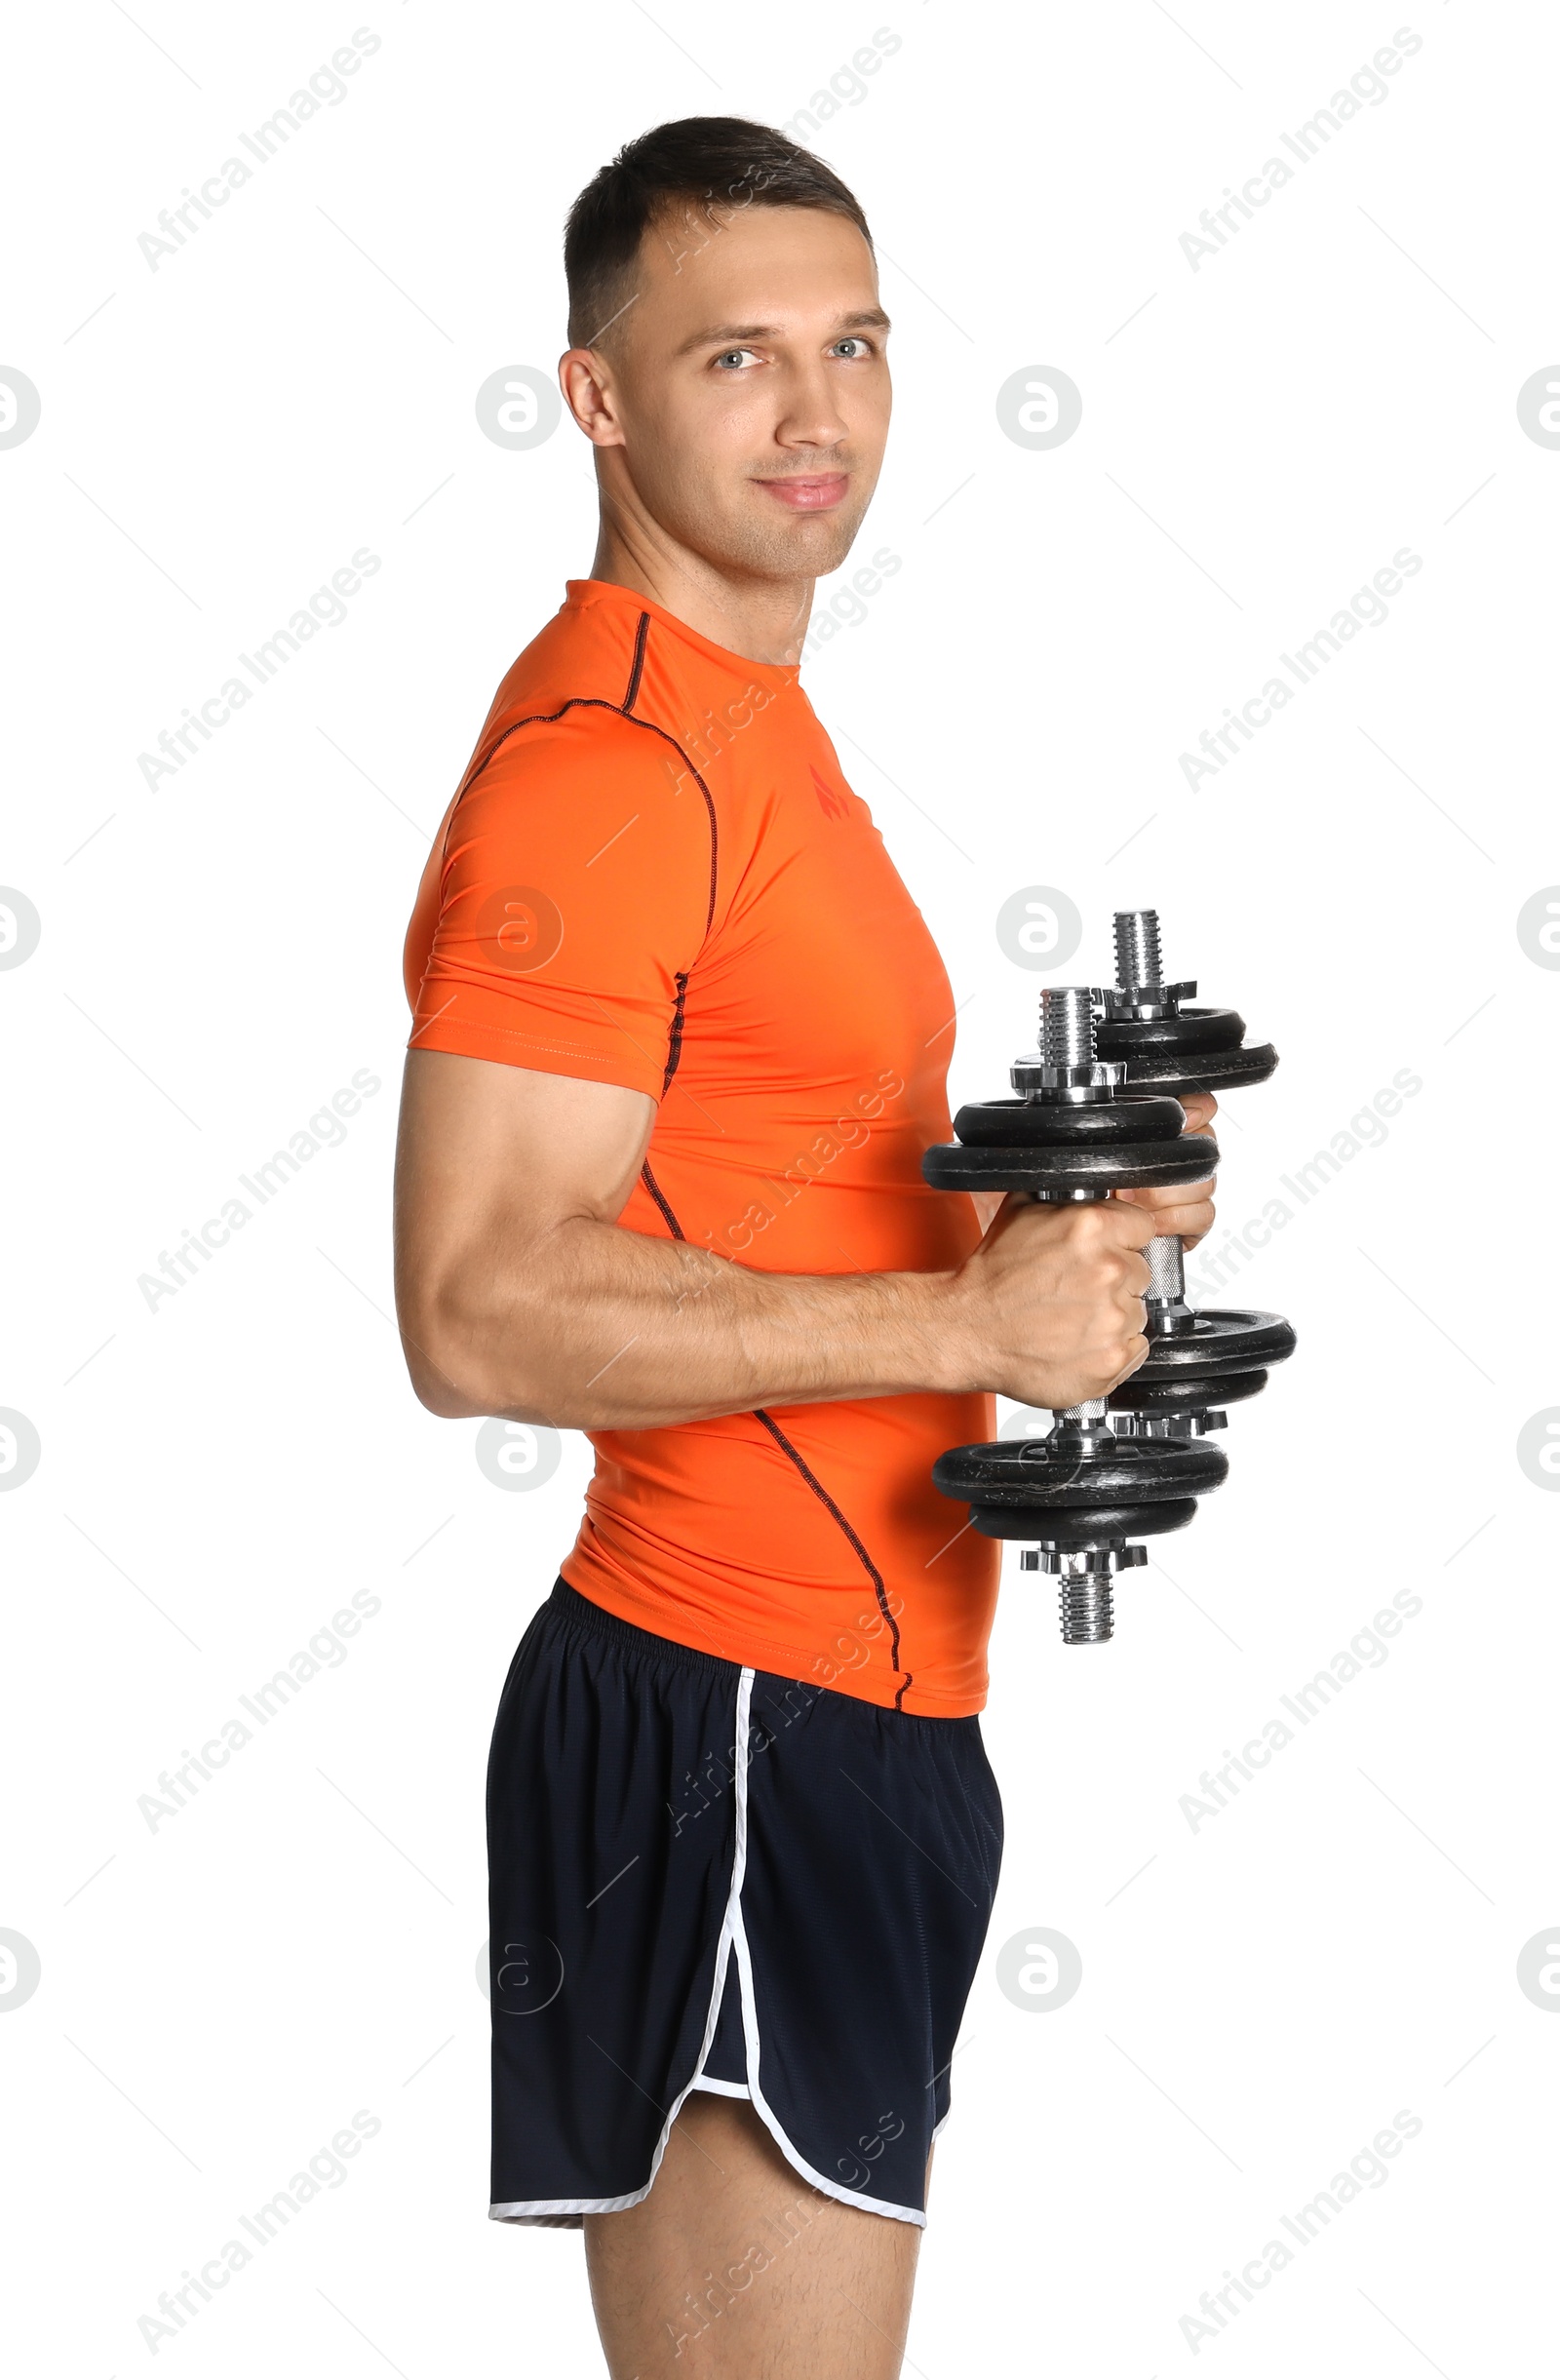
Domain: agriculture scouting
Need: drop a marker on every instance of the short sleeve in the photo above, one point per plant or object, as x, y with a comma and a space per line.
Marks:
570, 897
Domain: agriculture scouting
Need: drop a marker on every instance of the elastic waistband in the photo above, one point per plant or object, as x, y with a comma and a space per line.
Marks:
576, 1611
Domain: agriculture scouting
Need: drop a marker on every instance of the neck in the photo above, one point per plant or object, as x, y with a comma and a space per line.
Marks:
765, 619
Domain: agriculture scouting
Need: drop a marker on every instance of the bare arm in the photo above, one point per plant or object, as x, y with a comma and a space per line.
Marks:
519, 1294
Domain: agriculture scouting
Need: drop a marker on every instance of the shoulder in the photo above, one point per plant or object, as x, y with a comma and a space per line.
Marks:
583, 799
579, 737
580, 772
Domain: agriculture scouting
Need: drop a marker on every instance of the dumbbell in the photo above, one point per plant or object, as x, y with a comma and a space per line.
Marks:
1075, 1132
1198, 1363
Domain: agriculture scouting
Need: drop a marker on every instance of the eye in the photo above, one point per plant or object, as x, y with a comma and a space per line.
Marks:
732, 359
862, 347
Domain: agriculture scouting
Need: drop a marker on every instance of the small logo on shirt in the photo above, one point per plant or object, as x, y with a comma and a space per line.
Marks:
832, 804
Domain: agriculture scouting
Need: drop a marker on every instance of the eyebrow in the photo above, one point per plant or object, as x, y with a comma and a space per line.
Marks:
738, 334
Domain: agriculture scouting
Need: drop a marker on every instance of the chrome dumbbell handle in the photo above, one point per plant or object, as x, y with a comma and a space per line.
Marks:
1165, 1301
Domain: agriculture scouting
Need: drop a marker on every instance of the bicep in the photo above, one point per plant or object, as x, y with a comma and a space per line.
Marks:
493, 1152
553, 938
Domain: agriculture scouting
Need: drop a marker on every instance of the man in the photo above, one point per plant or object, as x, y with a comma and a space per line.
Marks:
681, 1039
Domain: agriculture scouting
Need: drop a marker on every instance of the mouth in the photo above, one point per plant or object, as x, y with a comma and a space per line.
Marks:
818, 493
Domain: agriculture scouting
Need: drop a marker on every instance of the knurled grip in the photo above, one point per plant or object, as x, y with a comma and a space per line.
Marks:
1167, 1277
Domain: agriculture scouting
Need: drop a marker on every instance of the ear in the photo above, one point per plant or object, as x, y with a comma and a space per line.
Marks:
589, 389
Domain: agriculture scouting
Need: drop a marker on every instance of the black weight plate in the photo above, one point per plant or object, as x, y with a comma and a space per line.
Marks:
1185, 1392
1194, 1028
1075, 1530
1190, 1158
1232, 1341
1021, 1123
1022, 1472
1227, 1069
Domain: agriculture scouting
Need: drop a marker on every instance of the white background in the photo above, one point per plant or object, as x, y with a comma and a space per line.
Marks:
1261, 1996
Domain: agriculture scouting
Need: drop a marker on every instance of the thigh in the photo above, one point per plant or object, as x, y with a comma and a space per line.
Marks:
609, 1877
734, 2253
872, 1843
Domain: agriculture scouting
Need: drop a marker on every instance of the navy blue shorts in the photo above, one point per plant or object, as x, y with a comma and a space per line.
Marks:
705, 1877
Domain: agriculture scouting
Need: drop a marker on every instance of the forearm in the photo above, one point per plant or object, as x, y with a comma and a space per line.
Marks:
589, 1326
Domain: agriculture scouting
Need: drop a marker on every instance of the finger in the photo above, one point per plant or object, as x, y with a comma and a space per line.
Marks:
1134, 1227
1179, 1211
1188, 1224
1168, 1195
1139, 1354
1192, 1199
1201, 1107
998, 1211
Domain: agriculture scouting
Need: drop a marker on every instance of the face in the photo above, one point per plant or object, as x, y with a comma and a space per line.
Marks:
741, 399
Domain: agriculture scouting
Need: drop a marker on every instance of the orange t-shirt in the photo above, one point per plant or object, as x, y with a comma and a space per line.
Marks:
654, 873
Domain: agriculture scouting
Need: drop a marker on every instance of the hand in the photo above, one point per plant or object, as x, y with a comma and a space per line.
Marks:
1048, 1309
1183, 1209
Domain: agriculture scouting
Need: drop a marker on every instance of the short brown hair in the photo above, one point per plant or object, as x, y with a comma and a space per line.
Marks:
710, 161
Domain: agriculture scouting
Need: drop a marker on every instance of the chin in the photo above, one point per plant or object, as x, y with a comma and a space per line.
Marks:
808, 545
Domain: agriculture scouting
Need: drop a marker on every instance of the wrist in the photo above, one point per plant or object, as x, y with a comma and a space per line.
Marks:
943, 1343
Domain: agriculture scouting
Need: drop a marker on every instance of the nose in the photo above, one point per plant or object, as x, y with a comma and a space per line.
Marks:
809, 412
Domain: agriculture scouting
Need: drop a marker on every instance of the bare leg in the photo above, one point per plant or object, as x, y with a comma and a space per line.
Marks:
736, 2269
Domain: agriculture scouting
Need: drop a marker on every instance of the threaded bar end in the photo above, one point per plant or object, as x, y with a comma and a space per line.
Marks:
1087, 1609
1067, 1026
1137, 947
